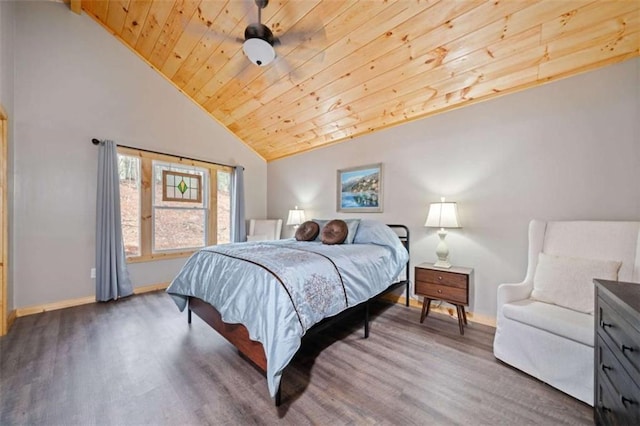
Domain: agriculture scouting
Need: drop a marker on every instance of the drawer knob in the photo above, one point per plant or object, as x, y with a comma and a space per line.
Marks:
626, 401
605, 324
605, 367
440, 277
626, 348
439, 291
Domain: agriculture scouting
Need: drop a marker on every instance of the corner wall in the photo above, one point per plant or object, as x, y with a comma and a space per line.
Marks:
74, 81
563, 151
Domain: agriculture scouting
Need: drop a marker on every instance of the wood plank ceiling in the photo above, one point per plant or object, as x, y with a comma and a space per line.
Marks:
346, 68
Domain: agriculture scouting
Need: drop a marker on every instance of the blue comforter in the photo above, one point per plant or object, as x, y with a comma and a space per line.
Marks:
280, 289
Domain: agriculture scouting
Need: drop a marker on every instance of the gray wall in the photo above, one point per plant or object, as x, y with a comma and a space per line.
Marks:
73, 82
566, 150
7, 17
7, 76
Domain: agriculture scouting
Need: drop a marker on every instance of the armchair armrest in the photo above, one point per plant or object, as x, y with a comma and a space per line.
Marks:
511, 292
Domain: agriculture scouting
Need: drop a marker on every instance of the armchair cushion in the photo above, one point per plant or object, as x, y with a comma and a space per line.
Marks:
568, 281
555, 319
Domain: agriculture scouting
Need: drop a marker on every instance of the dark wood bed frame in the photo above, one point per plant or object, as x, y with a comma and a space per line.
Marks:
238, 335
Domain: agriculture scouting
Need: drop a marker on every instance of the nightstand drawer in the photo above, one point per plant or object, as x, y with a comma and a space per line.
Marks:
436, 291
442, 278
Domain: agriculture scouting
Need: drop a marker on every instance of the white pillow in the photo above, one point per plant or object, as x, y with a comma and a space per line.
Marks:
256, 237
568, 281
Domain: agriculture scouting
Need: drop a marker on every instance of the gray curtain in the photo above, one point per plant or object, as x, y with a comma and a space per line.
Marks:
112, 276
238, 222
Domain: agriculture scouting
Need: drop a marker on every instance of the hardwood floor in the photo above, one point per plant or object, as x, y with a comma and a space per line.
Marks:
137, 361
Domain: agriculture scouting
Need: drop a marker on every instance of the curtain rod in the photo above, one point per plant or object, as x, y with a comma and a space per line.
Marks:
97, 142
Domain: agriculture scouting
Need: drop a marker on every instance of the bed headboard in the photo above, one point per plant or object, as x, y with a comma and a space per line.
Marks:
403, 234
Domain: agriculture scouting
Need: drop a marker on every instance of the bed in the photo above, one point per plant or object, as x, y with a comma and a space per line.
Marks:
263, 297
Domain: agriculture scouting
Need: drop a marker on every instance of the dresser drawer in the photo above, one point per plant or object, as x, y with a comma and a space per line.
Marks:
625, 391
442, 278
621, 334
617, 353
436, 291
606, 404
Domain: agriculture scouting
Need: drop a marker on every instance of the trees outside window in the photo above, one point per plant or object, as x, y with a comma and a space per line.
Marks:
172, 206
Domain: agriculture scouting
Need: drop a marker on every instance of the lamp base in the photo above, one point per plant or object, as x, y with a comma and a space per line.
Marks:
442, 251
442, 264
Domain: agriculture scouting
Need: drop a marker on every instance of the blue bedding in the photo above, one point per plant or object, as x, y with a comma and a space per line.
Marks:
280, 289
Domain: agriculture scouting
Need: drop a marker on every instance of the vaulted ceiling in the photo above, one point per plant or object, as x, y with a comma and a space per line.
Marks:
347, 68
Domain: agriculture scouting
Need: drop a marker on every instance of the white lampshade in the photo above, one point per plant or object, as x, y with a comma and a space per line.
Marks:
296, 217
443, 215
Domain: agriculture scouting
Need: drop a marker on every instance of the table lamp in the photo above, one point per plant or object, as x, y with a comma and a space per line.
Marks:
296, 217
442, 215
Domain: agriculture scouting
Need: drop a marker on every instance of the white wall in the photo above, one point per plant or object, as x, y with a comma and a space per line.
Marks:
73, 82
7, 28
565, 150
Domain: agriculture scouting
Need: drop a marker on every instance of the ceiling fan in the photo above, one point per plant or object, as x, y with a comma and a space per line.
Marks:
259, 40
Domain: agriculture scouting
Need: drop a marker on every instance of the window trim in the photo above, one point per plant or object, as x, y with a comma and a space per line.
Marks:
146, 202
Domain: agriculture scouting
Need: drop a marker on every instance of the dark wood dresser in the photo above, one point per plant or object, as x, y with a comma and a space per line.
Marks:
617, 353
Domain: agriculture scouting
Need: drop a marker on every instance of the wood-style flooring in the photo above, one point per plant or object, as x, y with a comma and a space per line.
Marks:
137, 361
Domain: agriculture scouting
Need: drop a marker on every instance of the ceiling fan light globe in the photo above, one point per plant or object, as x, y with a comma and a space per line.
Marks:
259, 51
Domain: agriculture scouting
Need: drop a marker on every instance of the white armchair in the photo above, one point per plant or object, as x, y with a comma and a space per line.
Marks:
264, 229
550, 339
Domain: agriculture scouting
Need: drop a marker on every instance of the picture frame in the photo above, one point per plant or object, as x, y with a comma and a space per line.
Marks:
359, 189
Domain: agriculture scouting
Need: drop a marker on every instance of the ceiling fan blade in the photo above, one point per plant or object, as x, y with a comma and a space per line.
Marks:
280, 69
208, 28
221, 37
307, 43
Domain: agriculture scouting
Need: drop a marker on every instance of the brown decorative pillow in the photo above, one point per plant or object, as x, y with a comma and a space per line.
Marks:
308, 231
334, 232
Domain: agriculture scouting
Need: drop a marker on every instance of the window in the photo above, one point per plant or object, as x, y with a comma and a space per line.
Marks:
129, 171
179, 207
172, 206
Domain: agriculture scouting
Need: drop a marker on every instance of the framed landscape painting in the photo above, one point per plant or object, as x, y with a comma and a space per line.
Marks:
360, 189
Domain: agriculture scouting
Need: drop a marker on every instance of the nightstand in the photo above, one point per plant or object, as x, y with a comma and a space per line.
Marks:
449, 285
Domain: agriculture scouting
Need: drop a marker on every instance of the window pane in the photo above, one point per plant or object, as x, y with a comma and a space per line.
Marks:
129, 171
178, 229
224, 207
181, 187
174, 185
